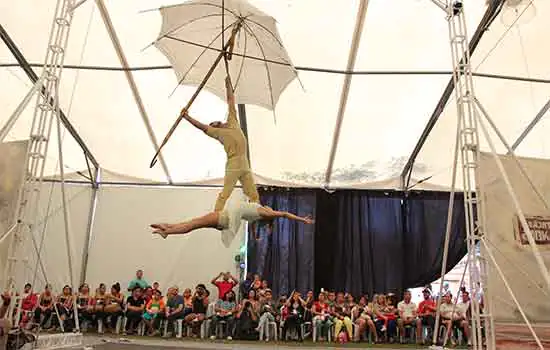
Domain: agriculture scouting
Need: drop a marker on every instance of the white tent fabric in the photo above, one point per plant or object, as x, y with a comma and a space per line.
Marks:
385, 113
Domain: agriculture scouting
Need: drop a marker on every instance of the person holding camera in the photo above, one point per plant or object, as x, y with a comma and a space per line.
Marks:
363, 318
294, 312
247, 321
199, 307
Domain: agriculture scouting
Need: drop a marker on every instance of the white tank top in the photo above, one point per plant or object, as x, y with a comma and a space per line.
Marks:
249, 211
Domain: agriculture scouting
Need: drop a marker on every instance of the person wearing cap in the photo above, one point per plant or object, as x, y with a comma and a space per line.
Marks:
426, 314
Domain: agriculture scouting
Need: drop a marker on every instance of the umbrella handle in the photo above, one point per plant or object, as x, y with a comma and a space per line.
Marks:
199, 88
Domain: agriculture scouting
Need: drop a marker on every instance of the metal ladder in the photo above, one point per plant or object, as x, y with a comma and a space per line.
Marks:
469, 153
45, 112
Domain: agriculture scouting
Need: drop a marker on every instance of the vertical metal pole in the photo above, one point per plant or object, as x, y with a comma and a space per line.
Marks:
90, 228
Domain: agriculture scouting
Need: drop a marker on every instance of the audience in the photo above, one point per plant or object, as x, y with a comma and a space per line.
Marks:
335, 315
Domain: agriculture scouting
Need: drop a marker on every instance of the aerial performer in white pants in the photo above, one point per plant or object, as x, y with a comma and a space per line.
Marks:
228, 221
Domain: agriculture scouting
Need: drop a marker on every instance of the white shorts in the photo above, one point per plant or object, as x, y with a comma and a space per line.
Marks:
230, 220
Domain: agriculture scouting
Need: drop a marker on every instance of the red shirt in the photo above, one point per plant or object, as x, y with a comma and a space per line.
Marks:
423, 306
29, 302
224, 287
318, 307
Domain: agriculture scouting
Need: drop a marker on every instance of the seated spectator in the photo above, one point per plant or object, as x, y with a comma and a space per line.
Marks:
294, 315
256, 283
263, 288
135, 307
199, 308
187, 302
253, 298
268, 312
308, 315
100, 300
453, 316
426, 314
331, 299
246, 320
465, 314
138, 282
342, 317
28, 304
84, 303
43, 312
148, 294
407, 314
245, 285
153, 309
174, 308
363, 318
224, 311
114, 307
64, 304
350, 301
385, 317
156, 286
5, 325
227, 283
281, 304
322, 320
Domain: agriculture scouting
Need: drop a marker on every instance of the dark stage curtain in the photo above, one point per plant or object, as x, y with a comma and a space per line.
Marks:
286, 257
359, 242
426, 220
362, 241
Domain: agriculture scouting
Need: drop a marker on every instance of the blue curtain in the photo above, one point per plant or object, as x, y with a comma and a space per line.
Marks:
360, 249
362, 241
426, 221
286, 256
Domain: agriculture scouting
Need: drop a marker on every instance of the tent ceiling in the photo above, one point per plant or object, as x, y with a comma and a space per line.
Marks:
385, 114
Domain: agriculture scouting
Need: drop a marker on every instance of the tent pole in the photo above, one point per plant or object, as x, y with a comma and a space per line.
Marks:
90, 228
358, 31
531, 125
133, 86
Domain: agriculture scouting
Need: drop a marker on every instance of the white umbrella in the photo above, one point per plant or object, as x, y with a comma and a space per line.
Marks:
192, 39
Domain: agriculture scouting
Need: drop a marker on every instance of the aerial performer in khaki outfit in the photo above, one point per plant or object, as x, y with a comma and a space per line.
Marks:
230, 135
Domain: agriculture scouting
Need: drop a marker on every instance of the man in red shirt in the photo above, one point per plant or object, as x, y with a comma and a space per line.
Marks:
227, 283
426, 314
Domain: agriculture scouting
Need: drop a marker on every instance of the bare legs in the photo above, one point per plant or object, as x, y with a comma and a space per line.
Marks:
209, 220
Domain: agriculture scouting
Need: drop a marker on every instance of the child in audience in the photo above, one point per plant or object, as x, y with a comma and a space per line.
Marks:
152, 310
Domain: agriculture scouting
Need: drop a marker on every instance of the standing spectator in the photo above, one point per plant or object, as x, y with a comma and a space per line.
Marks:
153, 309
227, 283
294, 315
246, 285
174, 307
135, 306
43, 312
426, 314
138, 281
225, 310
322, 319
407, 314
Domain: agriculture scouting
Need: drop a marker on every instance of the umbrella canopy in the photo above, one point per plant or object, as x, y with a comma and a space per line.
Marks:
192, 38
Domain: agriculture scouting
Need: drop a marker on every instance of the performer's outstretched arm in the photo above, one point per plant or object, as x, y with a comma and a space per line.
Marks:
194, 122
232, 117
268, 213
